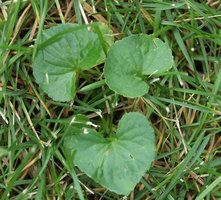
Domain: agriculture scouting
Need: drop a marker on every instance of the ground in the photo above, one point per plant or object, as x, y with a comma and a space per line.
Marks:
183, 103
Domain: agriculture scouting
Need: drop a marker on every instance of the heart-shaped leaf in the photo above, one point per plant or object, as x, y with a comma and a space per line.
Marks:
105, 34
117, 163
131, 58
66, 49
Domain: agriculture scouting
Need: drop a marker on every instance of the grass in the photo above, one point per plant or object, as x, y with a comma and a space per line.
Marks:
183, 104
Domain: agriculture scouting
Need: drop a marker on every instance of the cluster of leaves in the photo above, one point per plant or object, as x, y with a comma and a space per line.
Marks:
65, 52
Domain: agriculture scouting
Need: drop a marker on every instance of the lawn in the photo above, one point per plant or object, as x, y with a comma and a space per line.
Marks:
43, 150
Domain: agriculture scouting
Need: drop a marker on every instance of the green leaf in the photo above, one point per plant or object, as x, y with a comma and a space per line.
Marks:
130, 59
66, 49
3, 152
105, 34
118, 163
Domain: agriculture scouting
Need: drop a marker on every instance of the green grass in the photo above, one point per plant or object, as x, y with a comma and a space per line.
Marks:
183, 104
